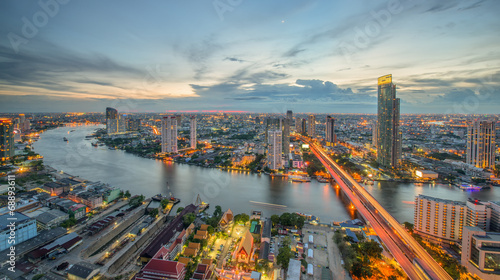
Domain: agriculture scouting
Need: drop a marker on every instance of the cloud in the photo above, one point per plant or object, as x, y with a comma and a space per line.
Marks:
234, 59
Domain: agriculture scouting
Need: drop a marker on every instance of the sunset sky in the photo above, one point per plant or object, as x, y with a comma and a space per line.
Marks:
258, 56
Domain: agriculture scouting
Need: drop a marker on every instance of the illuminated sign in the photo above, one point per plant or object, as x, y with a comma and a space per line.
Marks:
305, 146
387, 79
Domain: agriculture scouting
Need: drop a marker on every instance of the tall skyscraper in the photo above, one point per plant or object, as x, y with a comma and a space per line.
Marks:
169, 134
6, 139
388, 132
330, 138
111, 113
112, 121
311, 129
374, 135
272, 124
301, 126
274, 149
289, 116
287, 123
481, 143
192, 139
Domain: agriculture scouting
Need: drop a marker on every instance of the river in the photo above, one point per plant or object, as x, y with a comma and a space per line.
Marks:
237, 190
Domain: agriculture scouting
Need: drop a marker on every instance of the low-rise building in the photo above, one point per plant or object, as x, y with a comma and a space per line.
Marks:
24, 228
481, 253
83, 271
50, 219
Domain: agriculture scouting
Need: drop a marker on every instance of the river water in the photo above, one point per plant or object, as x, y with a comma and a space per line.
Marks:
239, 191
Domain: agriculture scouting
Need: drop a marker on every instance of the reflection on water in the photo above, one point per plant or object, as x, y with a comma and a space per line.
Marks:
231, 189
240, 191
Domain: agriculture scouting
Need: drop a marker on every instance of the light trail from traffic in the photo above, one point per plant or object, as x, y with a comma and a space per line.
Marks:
399, 242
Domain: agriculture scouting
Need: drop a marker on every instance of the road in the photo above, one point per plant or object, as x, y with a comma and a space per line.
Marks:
398, 241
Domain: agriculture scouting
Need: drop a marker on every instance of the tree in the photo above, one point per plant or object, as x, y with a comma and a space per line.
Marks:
337, 237
241, 218
371, 249
164, 203
217, 211
275, 219
127, 194
188, 219
408, 226
180, 209
284, 254
153, 213
361, 269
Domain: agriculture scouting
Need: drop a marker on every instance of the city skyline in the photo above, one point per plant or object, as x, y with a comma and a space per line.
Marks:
254, 56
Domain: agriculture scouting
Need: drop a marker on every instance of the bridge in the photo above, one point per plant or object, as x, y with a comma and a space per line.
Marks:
413, 259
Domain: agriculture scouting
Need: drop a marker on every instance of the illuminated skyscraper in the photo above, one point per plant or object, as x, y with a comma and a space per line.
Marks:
374, 135
330, 136
111, 113
112, 124
311, 129
169, 134
388, 132
272, 124
274, 149
287, 123
192, 139
6, 139
481, 136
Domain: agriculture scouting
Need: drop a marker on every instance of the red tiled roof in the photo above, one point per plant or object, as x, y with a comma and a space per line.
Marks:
163, 267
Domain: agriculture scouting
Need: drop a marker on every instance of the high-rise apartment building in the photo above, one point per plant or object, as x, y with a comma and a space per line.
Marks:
481, 136
112, 121
388, 131
439, 219
443, 220
133, 124
330, 137
272, 124
192, 139
169, 134
303, 126
311, 129
274, 149
6, 139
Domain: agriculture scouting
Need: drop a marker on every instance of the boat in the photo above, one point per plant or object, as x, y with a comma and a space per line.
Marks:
369, 182
112, 148
202, 206
470, 187
299, 178
94, 144
65, 139
172, 199
72, 130
322, 180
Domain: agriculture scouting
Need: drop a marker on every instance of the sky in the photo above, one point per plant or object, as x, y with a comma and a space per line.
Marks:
248, 55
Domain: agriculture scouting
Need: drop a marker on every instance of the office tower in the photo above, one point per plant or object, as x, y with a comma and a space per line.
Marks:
22, 117
112, 125
6, 139
286, 136
330, 136
388, 132
374, 135
274, 149
481, 143
311, 129
301, 126
298, 125
192, 139
22, 123
272, 124
438, 219
289, 116
169, 134
480, 254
